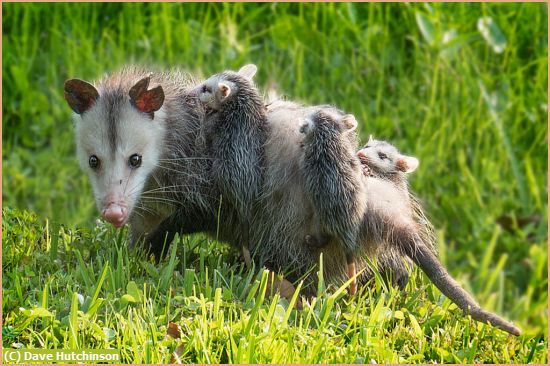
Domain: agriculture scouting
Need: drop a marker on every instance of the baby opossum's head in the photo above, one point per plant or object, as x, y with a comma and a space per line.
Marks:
220, 88
119, 134
383, 158
328, 119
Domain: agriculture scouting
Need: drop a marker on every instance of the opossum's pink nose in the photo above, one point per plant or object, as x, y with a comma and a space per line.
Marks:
361, 154
115, 214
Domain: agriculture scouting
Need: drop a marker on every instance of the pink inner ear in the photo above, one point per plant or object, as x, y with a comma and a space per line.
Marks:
401, 165
150, 100
145, 102
225, 90
407, 164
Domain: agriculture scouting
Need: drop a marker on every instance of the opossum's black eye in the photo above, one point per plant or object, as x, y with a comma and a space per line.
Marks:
94, 162
135, 161
206, 89
382, 156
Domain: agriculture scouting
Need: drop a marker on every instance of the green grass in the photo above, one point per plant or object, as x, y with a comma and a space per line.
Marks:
422, 76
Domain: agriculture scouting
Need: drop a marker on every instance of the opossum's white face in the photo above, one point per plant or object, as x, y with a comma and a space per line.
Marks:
384, 158
118, 172
119, 135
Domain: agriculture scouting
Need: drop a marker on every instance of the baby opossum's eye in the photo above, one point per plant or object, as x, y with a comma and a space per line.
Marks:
93, 161
206, 89
382, 156
134, 161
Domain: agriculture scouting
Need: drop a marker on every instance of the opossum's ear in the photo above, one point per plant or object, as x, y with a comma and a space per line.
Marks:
407, 164
80, 95
248, 71
146, 101
349, 122
225, 90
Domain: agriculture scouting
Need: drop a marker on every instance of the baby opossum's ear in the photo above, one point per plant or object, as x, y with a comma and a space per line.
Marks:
407, 164
146, 101
349, 122
225, 90
80, 95
248, 71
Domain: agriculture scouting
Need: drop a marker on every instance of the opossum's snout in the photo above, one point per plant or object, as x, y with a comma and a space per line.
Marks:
115, 213
363, 157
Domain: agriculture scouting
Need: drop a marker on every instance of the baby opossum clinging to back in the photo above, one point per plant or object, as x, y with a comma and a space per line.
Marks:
393, 217
333, 181
235, 134
381, 159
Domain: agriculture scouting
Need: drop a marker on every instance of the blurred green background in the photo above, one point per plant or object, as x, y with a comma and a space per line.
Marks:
461, 86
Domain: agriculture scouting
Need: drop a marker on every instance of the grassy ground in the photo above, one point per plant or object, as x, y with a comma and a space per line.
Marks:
461, 86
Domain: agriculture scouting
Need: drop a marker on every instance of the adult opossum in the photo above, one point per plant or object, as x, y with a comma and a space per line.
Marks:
139, 146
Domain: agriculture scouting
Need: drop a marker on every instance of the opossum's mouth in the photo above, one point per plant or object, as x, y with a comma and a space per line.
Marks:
365, 164
363, 159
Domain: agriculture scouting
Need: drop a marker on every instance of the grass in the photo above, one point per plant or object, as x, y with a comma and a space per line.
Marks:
471, 104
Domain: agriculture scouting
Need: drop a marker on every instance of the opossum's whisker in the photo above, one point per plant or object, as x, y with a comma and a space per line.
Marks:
162, 188
187, 158
146, 209
158, 199
182, 171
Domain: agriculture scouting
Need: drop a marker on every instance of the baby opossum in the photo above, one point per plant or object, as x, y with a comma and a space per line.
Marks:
235, 131
389, 219
333, 182
289, 215
382, 160
392, 218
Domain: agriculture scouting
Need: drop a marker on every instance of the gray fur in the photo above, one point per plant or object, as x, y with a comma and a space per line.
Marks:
235, 134
333, 182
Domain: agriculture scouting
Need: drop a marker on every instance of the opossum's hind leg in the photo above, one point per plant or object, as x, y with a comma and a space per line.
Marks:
246, 249
247, 257
352, 274
410, 242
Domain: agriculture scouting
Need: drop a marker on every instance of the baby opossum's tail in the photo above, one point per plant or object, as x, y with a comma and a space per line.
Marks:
428, 262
